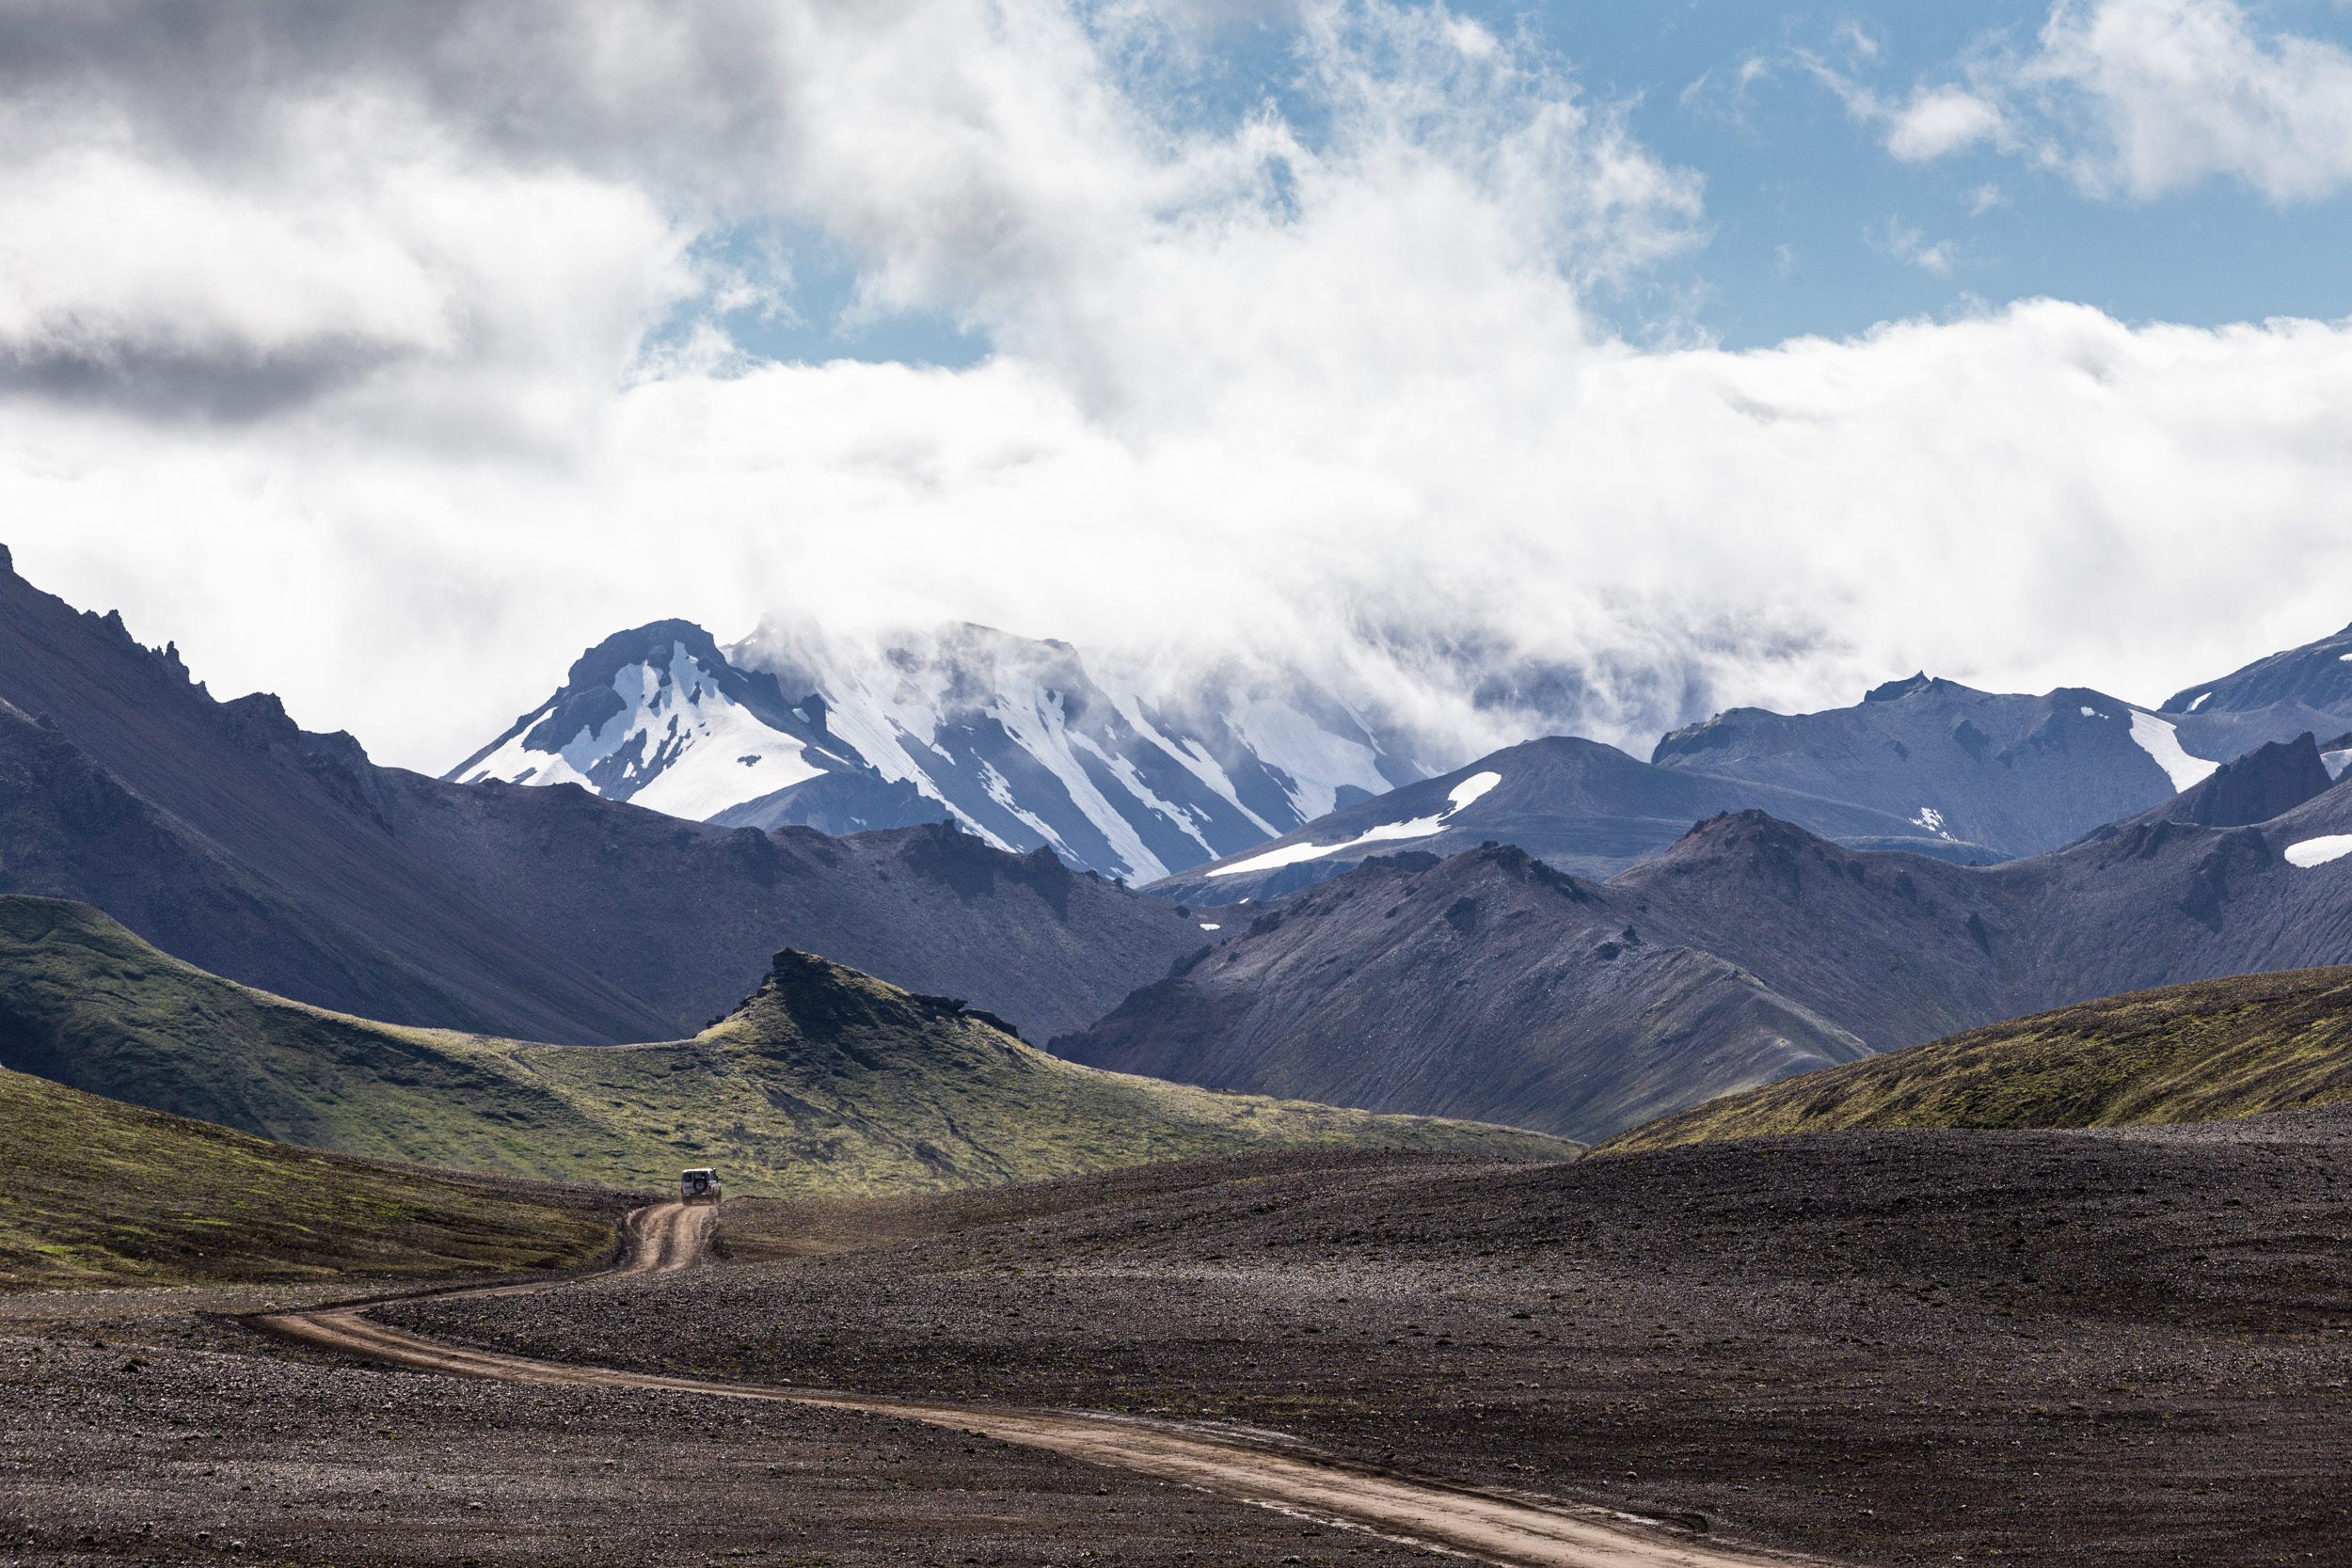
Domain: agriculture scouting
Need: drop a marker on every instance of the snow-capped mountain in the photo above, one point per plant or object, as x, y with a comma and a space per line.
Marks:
1922, 765
2016, 773
1015, 739
659, 717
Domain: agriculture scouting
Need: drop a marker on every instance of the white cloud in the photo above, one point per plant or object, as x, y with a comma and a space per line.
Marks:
1324, 395
1939, 122
2172, 93
2143, 98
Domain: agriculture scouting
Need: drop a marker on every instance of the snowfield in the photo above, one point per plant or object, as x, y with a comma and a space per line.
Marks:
694, 751
2163, 743
1459, 797
1012, 738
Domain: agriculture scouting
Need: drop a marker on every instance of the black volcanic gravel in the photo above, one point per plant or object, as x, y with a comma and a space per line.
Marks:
2127, 1348
134, 1429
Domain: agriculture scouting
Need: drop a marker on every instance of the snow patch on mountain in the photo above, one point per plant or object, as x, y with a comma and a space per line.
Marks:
1933, 820
678, 743
516, 761
2319, 851
2163, 744
1460, 796
1319, 762
1015, 738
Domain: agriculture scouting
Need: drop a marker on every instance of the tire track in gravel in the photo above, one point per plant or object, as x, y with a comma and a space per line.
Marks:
1513, 1532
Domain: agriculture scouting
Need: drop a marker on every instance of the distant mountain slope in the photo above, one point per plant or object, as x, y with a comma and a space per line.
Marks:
228, 836
1015, 739
2016, 775
1925, 765
1413, 983
1576, 805
96, 1192
2315, 678
825, 1080
2269, 780
2193, 1052
2274, 698
1485, 986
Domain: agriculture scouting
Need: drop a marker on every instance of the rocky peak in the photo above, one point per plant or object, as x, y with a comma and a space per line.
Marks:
2262, 783
1895, 692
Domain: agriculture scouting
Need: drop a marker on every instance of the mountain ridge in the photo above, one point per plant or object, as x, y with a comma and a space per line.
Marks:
1015, 738
1921, 764
820, 1079
1834, 952
230, 836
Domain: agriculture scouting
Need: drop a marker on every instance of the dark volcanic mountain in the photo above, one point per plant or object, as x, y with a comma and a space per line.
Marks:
1925, 765
2016, 775
1488, 984
1576, 805
2269, 780
1413, 983
2306, 687
230, 837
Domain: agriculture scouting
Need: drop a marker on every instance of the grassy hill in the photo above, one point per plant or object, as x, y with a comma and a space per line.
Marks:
93, 1192
2193, 1052
824, 1080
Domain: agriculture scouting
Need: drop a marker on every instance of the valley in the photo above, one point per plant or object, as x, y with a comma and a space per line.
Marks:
1175, 783
1875, 1347
1287, 1248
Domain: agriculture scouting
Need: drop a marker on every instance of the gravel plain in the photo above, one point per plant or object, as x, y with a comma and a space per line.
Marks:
2127, 1348
143, 1427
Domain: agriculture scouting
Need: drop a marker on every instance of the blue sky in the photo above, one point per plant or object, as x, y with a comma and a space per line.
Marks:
1811, 226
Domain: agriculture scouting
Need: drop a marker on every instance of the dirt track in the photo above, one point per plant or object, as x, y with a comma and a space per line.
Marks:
670, 1236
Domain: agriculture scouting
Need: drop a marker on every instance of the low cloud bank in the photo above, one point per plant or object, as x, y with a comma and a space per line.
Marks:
438, 386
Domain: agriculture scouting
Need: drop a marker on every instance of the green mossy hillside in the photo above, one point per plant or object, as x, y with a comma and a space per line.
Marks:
101, 1193
2201, 1051
824, 1080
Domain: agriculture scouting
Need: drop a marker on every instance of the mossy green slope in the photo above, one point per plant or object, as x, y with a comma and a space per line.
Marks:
2201, 1051
95, 1191
824, 1080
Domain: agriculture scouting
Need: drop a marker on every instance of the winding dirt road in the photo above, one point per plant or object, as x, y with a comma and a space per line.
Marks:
1518, 1533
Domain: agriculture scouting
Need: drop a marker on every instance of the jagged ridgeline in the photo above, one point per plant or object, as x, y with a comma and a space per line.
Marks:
823, 1080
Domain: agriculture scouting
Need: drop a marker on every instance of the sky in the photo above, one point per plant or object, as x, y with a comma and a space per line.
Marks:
1512, 368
